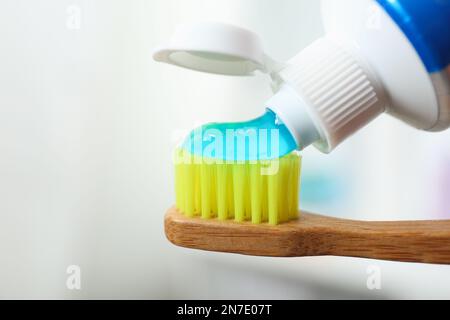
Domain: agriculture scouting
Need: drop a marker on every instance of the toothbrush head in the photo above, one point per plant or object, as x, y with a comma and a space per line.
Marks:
257, 191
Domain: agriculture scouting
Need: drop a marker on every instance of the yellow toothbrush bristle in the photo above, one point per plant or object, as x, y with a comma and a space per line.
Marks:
256, 191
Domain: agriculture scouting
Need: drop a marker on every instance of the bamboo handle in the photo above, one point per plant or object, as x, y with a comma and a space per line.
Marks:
315, 235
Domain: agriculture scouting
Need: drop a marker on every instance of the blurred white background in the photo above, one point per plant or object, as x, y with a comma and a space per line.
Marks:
87, 125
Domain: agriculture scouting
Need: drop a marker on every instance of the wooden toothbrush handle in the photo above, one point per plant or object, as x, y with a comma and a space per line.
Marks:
413, 241
314, 235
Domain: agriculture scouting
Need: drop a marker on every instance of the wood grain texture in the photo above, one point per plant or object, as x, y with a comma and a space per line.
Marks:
315, 235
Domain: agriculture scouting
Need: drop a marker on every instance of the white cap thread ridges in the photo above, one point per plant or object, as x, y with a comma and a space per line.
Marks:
341, 93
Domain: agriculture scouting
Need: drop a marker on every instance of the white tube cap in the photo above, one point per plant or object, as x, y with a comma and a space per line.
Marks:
215, 48
337, 90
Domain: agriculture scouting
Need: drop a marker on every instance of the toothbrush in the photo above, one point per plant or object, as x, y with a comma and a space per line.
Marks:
316, 235
238, 214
